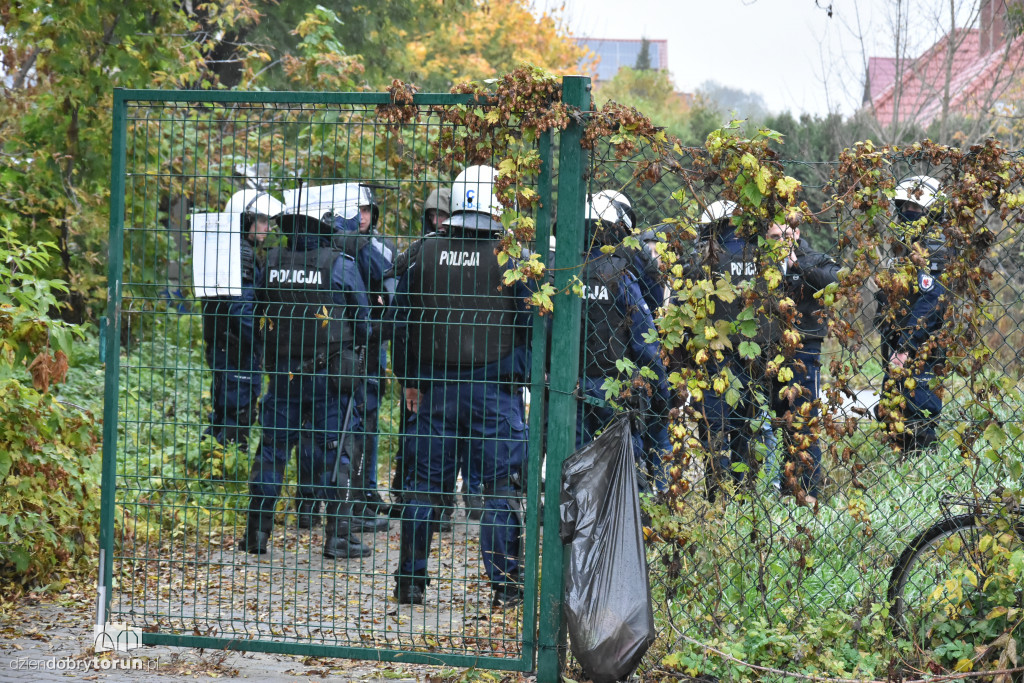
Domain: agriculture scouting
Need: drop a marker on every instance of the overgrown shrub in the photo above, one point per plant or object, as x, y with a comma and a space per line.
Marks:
49, 449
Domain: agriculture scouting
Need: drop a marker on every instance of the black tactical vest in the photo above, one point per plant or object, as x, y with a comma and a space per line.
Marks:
298, 303
606, 327
248, 262
459, 318
739, 260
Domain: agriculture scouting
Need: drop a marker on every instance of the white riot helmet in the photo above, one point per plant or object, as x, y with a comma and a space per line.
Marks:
607, 218
716, 211
606, 200
916, 196
366, 199
473, 190
255, 202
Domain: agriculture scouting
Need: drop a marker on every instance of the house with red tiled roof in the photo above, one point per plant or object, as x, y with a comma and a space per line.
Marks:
966, 73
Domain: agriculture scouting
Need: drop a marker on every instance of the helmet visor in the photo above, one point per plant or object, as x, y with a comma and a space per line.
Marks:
910, 212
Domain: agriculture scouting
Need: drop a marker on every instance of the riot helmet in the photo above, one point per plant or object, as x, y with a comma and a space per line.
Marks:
608, 217
717, 211
321, 210
917, 196
716, 218
622, 199
919, 214
254, 207
369, 211
436, 209
475, 206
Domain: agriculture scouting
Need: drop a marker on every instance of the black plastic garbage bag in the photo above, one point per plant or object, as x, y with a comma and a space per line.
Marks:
607, 590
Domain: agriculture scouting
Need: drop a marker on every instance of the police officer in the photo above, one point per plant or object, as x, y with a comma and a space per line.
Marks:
234, 347
805, 273
461, 349
616, 319
373, 253
909, 322
315, 304
726, 426
436, 210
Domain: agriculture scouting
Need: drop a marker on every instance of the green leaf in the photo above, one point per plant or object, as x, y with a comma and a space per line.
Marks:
752, 194
749, 350
19, 558
995, 435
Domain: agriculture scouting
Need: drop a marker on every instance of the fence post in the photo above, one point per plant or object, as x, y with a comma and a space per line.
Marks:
565, 346
112, 354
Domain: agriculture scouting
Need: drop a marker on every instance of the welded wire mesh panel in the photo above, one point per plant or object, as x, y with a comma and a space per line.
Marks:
836, 379
322, 427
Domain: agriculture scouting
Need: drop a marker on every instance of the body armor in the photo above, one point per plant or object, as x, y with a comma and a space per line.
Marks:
304, 322
460, 317
607, 332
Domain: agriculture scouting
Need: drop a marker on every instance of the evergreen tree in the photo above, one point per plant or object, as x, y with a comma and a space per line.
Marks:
643, 60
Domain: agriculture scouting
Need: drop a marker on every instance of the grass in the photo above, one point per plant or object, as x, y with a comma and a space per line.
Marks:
759, 567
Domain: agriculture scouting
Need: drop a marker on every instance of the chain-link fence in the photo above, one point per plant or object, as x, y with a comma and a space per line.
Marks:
844, 376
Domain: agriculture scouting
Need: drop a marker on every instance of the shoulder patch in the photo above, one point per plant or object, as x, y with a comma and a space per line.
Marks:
926, 282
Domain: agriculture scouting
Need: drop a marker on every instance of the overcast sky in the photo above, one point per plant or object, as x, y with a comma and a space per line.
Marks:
788, 51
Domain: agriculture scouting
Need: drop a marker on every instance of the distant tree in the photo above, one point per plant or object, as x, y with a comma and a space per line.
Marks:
734, 102
643, 60
488, 39
59, 64
650, 91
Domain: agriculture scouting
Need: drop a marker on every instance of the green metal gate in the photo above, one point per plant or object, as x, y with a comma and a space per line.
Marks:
174, 500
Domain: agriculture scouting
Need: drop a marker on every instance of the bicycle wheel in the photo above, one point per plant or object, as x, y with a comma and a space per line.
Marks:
933, 590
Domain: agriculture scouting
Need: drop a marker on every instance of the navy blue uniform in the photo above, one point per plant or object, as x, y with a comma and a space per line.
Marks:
234, 352
617, 319
462, 343
470, 474
304, 346
373, 257
909, 326
726, 429
812, 272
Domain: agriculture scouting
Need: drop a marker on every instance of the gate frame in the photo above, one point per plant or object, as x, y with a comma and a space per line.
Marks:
543, 633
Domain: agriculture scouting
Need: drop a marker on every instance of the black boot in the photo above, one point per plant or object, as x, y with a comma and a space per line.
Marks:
474, 505
257, 532
338, 539
370, 524
410, 591
375, 504
352, 485
507, 595
308, 513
